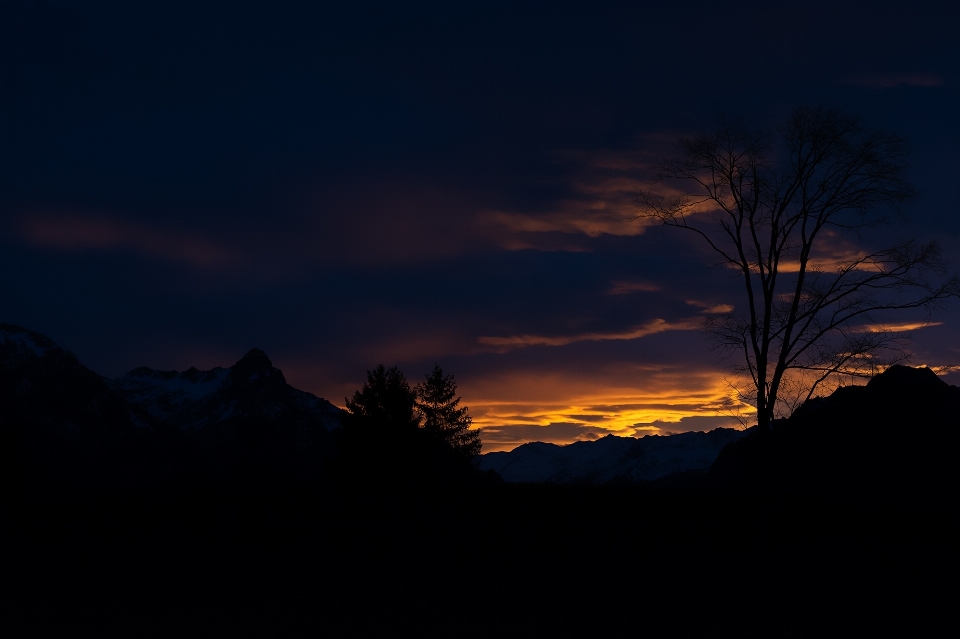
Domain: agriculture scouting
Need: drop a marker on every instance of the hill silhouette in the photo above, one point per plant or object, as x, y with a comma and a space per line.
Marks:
896, 435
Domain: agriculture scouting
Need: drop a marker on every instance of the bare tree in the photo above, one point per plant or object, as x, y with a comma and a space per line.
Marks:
779, 210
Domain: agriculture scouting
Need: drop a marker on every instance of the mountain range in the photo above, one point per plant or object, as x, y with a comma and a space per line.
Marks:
62, 422
611, 458
75, 425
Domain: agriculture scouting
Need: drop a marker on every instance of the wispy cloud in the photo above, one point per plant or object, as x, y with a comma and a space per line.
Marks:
70, 232
561, 408
711, 308
691, 423
498, 438
897, 328
600, 199
654, 326
622, 287
831, 253
519, 231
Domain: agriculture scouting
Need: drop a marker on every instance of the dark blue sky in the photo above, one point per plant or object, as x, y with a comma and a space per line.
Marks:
348, 186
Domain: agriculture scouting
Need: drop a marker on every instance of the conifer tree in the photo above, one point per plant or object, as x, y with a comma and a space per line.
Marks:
443, 416
385, 403
381, 438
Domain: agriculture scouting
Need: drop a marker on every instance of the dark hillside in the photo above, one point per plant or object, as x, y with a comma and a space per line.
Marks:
69, 429
897, 435
61, 422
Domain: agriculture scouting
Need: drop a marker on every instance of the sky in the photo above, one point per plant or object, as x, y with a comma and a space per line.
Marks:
411, 184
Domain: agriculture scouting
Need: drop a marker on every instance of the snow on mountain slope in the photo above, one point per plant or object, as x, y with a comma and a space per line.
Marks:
168, 393
45, 389
22, 342
251, 387
610, 458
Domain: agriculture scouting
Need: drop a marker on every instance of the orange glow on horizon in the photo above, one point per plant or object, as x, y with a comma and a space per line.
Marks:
534, 406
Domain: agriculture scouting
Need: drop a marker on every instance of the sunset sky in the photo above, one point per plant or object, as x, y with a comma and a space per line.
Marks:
411, 184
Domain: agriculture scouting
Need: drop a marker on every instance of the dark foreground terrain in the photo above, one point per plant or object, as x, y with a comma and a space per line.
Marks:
839, 520
539, 558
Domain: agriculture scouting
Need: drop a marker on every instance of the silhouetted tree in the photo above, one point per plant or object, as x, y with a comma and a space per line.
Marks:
388, 436
443, 416
385, 404
772, 207
380, 429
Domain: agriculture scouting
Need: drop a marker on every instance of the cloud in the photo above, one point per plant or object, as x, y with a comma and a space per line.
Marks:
602, 401
711, 308
592, 222
830, 253
599, 199
691, 423
509, 437
77, 233
650, 328
896, 328
622, 287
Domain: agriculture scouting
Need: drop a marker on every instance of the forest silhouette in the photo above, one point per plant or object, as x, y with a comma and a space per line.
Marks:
271, 510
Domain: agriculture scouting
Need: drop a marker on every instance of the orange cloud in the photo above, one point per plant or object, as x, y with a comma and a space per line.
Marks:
602, 200
572, 218
650, 328
897, 328
514, 408
69, 232
711, 308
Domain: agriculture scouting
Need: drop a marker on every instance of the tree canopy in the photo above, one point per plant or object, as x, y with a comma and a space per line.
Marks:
443, 416
789, 213
385, 403
393, 431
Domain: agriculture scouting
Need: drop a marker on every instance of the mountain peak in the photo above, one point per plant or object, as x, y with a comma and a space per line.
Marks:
906, 377
253, 366
25, 339
255, 359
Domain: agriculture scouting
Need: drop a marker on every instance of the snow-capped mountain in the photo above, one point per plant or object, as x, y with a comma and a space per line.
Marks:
44, 384
19, 343
63, 422
611, 458
252, 387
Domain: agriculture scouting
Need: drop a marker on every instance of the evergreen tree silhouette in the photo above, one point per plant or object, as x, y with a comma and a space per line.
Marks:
380, 428
437, 401
385, 404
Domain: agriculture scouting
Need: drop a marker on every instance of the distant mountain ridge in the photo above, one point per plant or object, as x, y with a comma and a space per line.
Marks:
61, 422
193, 398
70, 423
611, 458
897, 433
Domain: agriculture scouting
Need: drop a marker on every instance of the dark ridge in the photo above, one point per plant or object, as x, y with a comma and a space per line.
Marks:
254, 360
40, 340
146, 371
896, 435
901, 378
